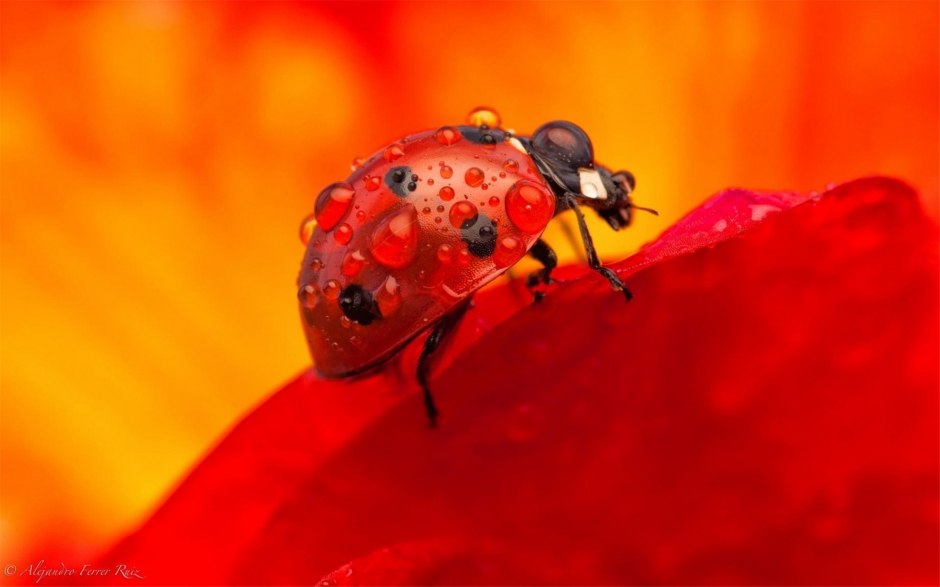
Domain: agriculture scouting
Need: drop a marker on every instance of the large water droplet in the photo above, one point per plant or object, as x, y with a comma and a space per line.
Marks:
352, 263
483, 115
388, 297
395, 240
463, 214
393, 152
307, 227
447, 135
307, 295
342, 234
530, 206
474, 177
333, 204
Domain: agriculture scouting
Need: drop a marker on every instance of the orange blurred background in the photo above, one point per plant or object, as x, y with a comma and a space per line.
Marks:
158, 157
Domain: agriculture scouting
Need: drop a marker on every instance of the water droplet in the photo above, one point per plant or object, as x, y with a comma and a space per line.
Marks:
335, 347
447, 135
394, 152
445, 254
352, 263
342, 234
463, 258
345, 322
437, 220
484, 186
373, 183
361, 215
440, 208
425, 210
508, 251
447, 172
493, 178
494, 201
331, 289
388, 297
530, 206
483, 116
357, 163
356, 342
446, 194
307, 295
316, 265
502, 174
511, 166
307, 227
333, 204
394, 242
474, 177
430, 181
463, 214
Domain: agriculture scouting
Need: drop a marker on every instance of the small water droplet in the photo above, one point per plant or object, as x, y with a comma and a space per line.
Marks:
430, 181
307, 295
316, 265
394, 242
502, 174
388, 297
463, 258
342, 234
437, 220
352, 263
394, 152
483, 116
445, 254
332, 204
447, 172
335, 347
373, 183
345, 321
356, 342
511, 166
357, 163
530, 206
446, 193
494, 201
331, 289
474, 177
307, 227
425, 210
508, 251
447, 135
463, 214
440, 208
361, 215
484, 186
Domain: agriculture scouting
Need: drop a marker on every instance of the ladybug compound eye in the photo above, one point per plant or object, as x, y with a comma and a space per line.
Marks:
564, 144
592, 186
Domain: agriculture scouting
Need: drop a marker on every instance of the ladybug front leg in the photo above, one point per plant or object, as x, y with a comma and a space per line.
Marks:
593, 261
443, 328
544, 254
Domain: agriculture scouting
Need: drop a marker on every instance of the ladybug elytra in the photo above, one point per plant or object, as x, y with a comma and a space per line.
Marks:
404, 242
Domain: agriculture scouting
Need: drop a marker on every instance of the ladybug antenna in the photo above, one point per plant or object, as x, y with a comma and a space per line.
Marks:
650, 210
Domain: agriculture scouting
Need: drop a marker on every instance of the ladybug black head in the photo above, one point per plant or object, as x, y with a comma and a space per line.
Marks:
565, 157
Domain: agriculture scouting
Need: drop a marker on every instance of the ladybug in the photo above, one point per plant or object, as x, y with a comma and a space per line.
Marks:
403, 243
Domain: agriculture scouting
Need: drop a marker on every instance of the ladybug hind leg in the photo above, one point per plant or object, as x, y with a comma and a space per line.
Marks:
593, 261
439, 335
544, 254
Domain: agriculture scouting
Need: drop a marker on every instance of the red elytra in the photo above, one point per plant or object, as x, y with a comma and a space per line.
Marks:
438, 215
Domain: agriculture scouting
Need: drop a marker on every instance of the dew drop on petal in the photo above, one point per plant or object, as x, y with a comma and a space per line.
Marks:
530, 206
483, 115
333, 204
331, 289
447, 172
352, 263
446, 193
395, 240
447, 135
388, 297
394, 152
463, 214
307, 227
474, 177
307, 295
342, 234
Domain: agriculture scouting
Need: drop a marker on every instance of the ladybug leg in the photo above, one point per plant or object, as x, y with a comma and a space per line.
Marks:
544, 254
593, 261
438, 335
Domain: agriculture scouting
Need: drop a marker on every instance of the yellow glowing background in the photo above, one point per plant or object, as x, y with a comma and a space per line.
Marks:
158, 157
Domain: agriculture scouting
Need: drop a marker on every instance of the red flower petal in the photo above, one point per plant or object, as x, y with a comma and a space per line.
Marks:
764, 411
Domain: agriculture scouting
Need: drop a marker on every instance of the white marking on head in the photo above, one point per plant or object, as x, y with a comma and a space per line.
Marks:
591, 185
517, 144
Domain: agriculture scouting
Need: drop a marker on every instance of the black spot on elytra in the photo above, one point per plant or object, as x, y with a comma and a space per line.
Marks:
358, 304
396, 180
480, 236
482, 135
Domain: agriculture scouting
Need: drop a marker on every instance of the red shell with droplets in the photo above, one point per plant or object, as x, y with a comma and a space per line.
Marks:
417, 265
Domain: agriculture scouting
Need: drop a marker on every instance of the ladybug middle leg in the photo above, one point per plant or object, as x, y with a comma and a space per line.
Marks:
446, 326
593, 261
544, 254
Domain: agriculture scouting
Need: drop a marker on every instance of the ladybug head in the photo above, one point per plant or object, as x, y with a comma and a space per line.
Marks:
565, 156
